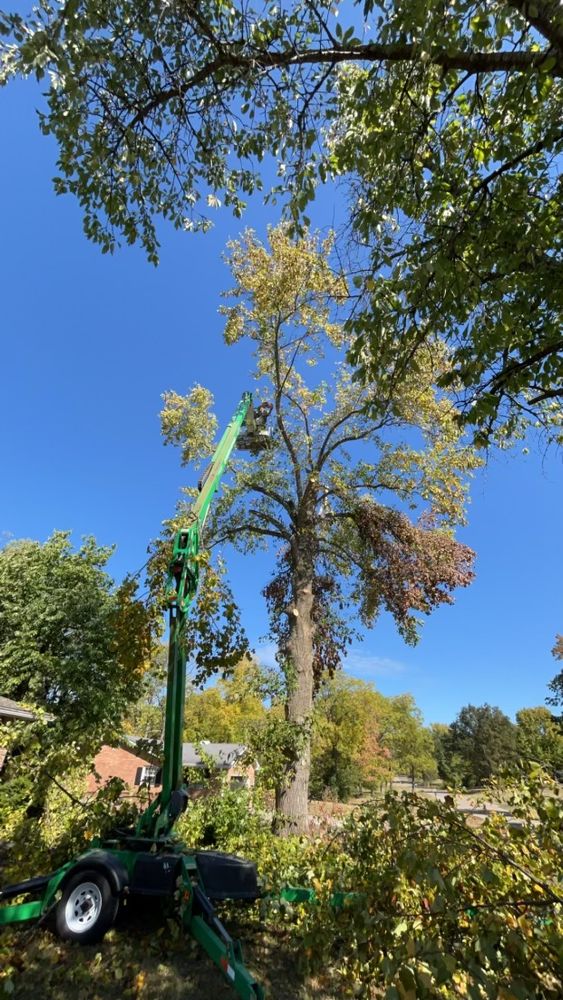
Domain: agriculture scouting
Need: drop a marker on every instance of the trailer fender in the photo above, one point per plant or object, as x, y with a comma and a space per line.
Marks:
107, 864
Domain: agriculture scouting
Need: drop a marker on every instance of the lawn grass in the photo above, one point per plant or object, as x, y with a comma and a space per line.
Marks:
145, 957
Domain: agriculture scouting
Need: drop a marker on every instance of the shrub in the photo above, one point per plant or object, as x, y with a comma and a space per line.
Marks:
435, 909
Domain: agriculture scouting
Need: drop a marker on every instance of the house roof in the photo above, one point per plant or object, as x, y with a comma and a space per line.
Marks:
11, 710
223, 755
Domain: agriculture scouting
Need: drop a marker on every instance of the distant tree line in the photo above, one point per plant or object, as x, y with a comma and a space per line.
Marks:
361, 739
482, 741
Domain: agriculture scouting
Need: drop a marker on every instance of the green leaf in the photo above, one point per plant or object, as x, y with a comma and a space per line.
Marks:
548, 64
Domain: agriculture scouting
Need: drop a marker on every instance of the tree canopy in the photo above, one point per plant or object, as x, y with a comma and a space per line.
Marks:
74, 647
71, 642
484, 740
347, 751
411, 746
444, 124
363, 739
482, 743
556, 685
539, 737
228, 711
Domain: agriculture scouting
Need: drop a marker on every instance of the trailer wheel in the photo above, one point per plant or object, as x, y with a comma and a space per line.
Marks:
87, 908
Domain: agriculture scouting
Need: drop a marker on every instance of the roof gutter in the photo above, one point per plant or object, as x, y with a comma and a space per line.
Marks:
16, 713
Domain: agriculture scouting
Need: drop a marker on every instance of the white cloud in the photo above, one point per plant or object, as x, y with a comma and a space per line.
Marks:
266, 654
366, 666
363, 665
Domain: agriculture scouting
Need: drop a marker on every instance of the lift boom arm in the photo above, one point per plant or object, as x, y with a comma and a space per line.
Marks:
181, 589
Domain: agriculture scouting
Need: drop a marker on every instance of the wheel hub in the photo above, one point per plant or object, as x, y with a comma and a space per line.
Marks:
83, 907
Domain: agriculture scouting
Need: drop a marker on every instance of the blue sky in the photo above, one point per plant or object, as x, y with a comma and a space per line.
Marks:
88, 343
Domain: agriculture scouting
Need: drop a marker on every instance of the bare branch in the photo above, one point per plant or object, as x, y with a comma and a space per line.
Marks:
284, 502
230, 533
394, 52
536, 147
279, 416
279, 526
334, 427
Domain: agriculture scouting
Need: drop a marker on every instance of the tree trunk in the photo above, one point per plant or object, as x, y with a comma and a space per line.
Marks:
293, 800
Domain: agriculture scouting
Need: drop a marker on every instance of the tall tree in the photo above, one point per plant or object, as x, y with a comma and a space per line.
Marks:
410, 744
447, 122
485, 739
333, 492
451, 766
70, 641
347, 751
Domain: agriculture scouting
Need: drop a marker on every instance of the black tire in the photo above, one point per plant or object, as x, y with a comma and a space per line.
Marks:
87, 907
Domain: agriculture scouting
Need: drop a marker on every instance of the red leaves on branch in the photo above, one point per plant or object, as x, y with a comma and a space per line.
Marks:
407, 567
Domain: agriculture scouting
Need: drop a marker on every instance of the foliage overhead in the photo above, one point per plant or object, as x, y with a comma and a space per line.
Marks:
182, 425
445, 125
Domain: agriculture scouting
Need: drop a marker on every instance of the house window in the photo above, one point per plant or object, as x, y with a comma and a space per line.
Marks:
238, 781
147, 775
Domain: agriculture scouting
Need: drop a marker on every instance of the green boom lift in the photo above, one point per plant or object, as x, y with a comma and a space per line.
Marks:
83, 896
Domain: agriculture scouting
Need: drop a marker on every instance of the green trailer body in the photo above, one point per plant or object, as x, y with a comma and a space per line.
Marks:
184, 887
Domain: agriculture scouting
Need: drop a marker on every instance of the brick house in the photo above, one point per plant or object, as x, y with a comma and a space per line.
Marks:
122, 762
137, 767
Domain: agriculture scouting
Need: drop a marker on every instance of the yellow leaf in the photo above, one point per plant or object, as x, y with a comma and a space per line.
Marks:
139, 982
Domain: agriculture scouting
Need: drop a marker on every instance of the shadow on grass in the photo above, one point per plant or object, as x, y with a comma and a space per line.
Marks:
145, 957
